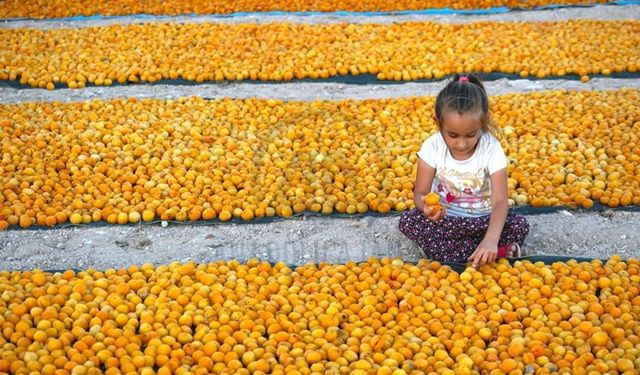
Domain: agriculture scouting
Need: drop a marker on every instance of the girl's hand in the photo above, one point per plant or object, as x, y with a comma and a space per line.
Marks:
434, 216
486, 252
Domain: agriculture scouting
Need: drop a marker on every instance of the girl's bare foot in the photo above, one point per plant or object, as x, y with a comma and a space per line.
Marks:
509, 251
513, 251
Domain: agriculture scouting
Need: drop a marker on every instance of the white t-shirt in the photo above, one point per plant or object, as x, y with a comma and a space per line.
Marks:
464, 185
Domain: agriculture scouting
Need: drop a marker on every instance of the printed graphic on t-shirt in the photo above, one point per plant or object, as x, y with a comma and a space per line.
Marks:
464, 190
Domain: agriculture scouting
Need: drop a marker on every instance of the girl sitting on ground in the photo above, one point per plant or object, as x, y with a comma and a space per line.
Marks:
465, 165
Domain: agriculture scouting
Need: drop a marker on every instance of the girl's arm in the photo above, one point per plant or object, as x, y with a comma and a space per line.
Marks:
424, 179
487, 250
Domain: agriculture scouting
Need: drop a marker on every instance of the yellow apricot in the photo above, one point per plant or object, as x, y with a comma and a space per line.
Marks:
148, 215
134, 217
75, 218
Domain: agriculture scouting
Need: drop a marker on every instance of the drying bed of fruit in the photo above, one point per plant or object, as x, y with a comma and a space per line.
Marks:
277, 52
128, 160
382, 316
194, 159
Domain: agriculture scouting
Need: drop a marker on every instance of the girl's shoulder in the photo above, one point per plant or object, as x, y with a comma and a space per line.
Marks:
488, 137
488, 142
434, 140
432, 149
492, 153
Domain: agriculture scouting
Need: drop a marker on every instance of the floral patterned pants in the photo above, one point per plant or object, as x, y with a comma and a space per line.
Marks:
454, 239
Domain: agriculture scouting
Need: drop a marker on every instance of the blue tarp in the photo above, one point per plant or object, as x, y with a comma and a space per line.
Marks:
439, 11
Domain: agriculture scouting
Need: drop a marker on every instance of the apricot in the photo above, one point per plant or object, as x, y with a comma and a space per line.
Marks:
432, 199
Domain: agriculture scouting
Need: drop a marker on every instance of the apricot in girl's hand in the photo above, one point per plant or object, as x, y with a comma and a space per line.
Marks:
432, 200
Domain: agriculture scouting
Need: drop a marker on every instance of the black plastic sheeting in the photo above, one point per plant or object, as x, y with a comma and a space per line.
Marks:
523, 210
457, 267
546, 259
361, 79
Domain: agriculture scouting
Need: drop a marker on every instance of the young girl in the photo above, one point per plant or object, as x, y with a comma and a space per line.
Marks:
465, 164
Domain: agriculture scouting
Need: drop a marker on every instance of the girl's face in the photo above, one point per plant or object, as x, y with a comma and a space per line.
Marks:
461, 133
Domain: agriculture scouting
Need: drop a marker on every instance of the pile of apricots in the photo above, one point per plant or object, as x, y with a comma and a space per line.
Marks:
381, 316
407, 51
130, 160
